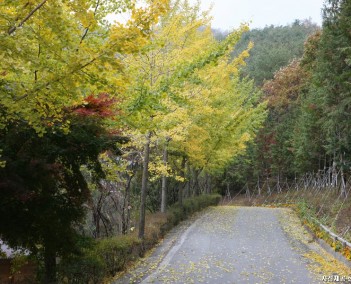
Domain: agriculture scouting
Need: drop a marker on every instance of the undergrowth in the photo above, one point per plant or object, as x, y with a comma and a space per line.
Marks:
99, 260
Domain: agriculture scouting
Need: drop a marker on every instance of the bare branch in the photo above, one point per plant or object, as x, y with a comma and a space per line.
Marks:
87, 28
14, 28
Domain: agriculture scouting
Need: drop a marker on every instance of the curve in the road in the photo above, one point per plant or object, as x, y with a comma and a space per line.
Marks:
236, 245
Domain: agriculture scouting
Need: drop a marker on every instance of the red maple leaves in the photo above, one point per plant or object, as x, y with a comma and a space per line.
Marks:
101, 106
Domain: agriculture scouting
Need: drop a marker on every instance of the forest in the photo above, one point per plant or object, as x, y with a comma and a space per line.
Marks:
111, 133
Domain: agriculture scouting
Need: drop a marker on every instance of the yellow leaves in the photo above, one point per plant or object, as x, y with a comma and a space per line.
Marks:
240, 59
174, 124
346, 251
6, 13
158, 169
224, 124
325, 264
111, 167
242, 142
245, 137
195, 145
126, 39
2, 163
82, 13
144, 18
87, 19
64, 52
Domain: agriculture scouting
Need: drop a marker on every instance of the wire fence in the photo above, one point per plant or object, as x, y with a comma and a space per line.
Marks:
328, 190
317, 182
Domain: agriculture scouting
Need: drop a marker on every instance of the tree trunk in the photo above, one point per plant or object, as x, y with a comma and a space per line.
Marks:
188, 177
334, 175
144, 182
227, 194
14, 28
181, 187
50, 266
126, 207
258, 185
196, 174
97, 217
208, 188
269, 187
279, 189
164, 180
343, 183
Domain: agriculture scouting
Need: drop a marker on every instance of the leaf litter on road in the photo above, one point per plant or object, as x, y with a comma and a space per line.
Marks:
242, 245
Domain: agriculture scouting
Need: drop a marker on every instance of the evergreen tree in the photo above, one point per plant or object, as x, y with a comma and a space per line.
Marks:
332, 78
274, 48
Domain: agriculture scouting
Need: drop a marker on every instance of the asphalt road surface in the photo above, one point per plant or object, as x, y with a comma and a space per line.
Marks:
232, 245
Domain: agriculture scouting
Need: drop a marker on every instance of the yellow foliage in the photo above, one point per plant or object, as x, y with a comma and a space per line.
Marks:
62, 52
325, 264
346, 251
184, 87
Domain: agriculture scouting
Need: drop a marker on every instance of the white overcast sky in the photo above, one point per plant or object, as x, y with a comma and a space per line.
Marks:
228, 14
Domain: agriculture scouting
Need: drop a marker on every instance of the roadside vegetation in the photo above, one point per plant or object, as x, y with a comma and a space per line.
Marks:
301, 156
112, 133
99, 260
103, 125
322, 212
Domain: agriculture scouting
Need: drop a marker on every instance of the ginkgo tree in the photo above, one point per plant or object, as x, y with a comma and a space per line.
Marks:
174, 42
55, 53
185, 94
61, 76
225, 115
220, 116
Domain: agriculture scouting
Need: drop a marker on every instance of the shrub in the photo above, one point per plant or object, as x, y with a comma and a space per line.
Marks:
177, 213
98, 259
87, 267
101, 259
117, 251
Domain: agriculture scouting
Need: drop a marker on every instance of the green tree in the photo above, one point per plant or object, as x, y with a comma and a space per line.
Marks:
327, 105
186, 96
165, 63
56, 53
42, 187
283, 94
274, 47
309, 139
332, 78
272, 154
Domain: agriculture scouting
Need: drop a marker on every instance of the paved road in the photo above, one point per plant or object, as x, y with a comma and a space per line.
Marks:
232, 245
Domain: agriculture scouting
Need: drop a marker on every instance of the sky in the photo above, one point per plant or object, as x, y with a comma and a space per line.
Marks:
228, 14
